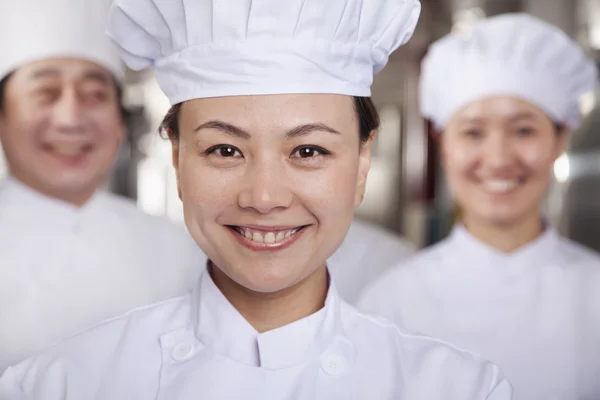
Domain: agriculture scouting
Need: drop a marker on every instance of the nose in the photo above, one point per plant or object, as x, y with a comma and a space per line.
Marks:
498, 151
266, 187
68, 111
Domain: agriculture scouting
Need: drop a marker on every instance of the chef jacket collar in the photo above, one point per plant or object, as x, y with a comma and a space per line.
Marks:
223, 329
473, 251
45, 210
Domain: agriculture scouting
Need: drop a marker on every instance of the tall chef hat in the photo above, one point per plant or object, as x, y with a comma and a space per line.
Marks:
35, 30
212, 48
513, 55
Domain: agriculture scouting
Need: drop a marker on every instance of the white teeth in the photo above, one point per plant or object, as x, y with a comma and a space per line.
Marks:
270, 238
500, 186
266, 237
67, 149
257, 237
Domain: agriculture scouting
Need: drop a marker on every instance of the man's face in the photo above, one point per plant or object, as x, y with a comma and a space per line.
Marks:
61, 127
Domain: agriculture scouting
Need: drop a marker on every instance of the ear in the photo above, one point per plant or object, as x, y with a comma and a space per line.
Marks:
364, 165
175, 158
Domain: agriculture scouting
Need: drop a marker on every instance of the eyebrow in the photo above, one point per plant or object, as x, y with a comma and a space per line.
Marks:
45, 73
520, 116
298, 131
523, 115
51, 72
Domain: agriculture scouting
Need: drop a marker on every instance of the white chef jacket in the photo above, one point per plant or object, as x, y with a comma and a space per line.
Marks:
367, 251
63, 269
535, 312
200, 347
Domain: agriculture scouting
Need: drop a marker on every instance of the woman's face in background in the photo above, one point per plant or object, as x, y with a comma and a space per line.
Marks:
269, 183
498, 155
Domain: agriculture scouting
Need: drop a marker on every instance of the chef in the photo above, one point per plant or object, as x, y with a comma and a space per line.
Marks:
271, 128
505, 284
71, 255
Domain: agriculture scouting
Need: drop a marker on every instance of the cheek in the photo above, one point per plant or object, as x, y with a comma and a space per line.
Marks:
329, 191
459, 160
21, 131
108, 123
205, 190
536, 157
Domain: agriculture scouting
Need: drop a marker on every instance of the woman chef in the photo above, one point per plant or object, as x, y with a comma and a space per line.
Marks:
271, 132
71, 255
505, 285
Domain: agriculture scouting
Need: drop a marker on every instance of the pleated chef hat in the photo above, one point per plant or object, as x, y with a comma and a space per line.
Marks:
35, 30
513, 55
212, 48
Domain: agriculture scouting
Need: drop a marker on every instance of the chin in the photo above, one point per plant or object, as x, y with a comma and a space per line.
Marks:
501, 220
265, 284
262, 277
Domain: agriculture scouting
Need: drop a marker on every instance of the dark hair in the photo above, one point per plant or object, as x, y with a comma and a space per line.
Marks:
366, 112
3, 83
123, 111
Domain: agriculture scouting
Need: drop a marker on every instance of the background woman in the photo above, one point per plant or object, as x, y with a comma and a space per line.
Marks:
505, 285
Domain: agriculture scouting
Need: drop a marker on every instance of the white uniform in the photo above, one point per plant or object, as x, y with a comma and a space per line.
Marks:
63, 269
536, 312
200, 347
365, 254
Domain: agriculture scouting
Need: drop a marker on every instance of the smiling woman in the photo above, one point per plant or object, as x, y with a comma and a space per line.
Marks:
271, 133
505, 284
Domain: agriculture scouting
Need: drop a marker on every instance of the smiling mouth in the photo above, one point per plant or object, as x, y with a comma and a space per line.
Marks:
268, 237
501, 186
68, 149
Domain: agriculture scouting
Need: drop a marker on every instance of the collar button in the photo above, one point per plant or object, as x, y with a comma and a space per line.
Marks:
182, 351
333, 365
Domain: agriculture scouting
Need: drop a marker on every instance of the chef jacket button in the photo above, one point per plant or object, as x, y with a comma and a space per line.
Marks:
333, 364
182, 351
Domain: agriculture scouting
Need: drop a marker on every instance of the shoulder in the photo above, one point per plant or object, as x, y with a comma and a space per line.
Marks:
87, 353
128, 208
574, 253
408, 275
150, 227
424, 359
371, 234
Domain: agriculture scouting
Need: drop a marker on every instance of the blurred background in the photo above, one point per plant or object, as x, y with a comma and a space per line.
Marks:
406, 191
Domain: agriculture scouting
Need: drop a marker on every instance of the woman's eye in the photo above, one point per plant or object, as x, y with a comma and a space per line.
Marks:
309, 152
473, 133
524, 131
223, 150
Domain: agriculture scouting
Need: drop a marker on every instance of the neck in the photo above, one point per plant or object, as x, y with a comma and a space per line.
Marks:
508, 237
268, 311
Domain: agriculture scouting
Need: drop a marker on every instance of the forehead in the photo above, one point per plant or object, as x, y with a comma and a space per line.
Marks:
63, 70
499, 109
258, 111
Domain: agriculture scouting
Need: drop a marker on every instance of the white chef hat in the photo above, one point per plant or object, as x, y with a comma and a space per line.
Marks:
34, 30
513, 55
212, 48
